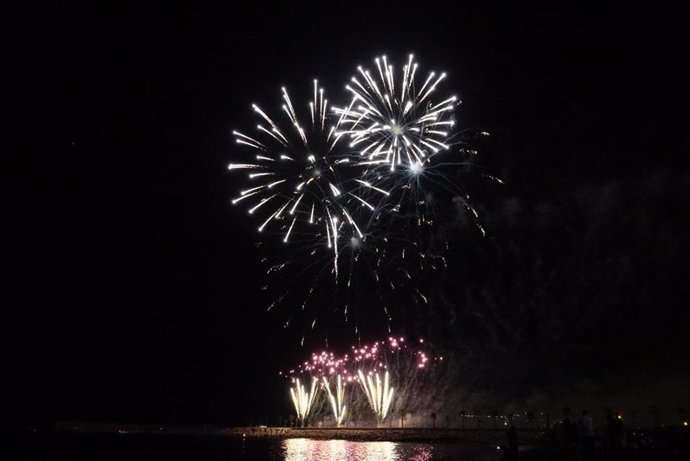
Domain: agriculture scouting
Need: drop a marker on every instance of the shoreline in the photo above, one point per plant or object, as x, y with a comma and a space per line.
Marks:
355, 434
492, 436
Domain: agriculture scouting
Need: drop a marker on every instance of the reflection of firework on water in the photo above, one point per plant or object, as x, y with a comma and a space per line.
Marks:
303, 400
386, 376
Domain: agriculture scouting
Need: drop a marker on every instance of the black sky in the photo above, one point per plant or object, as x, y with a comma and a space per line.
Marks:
131, 285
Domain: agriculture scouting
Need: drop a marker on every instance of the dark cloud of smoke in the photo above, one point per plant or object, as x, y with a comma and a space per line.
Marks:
575, 299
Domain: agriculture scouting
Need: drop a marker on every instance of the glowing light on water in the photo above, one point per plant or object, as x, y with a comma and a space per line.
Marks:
299, 449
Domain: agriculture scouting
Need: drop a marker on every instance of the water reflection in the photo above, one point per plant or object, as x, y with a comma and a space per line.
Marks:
343, 450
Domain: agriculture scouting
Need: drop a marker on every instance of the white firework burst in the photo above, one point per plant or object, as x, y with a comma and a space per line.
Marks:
355, 192
294, 177
396, 124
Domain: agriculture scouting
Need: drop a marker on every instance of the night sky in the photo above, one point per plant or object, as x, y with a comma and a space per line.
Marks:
131, 286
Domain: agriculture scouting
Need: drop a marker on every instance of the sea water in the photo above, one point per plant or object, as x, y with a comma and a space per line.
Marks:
146, 447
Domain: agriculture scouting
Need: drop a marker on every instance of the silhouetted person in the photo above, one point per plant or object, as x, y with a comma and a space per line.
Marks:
618, 431
554, 433
512, 436
614, 432
569, 431
587, 435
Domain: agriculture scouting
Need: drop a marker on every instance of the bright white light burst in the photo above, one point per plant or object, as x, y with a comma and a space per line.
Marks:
396, 124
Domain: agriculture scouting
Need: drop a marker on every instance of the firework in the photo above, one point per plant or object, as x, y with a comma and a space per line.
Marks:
302, 399
351, 192
394, 123
379, 395
397, 126
387, 375
337, 402
294, 180
301, 184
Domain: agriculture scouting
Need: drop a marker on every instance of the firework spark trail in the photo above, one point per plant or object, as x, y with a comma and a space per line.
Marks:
379, 395
302, 399
338, 401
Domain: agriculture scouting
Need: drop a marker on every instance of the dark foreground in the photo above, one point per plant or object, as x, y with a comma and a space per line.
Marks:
660, 444
633, 444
